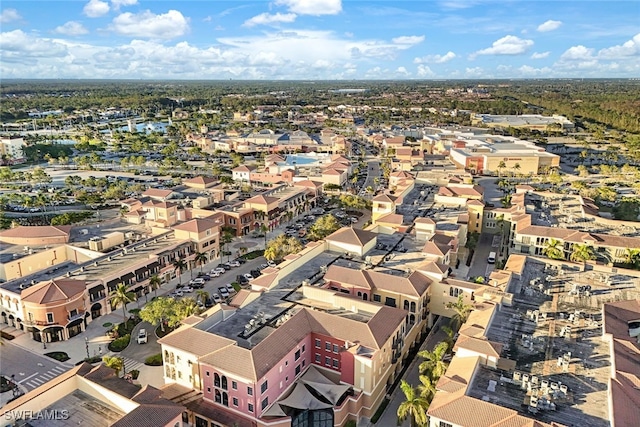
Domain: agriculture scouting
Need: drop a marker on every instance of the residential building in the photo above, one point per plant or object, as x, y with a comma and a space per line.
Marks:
11, 150
204, 233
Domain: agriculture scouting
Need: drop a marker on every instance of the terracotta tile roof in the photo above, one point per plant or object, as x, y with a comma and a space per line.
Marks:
157, 192
53, 290
402, 174
243, 168
384, 198
37, 231
308, 183
468, 411
433, 267
352, 236
264, 200
264, 280
331, 172
350, 276
625, 399
151, 415
198, 225
415, 285
432, 248
195, 341
423, 220
159, 204
218, 413
475, 202
233, 360
203, 180
475, 191
478, 345
240, 298
391, 218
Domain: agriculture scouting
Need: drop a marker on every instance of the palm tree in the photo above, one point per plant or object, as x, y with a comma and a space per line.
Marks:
114, 362
179, 266
264, 229
632, 257
154, 282
426, 388
201, 258
120, 295
433, 365
202, 296
501, 166
415, 406
449, 339
462, 311
553, 249
582, 253
516, 167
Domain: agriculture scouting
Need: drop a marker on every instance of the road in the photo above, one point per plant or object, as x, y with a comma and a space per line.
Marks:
373, 172
479, 265
135, 354
31, 370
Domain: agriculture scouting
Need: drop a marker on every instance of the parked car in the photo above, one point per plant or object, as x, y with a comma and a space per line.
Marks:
248, 276
219, 270
214, 273
222, 267
204, 276
142, 336
187, 289
241, 260
176, 293
271, 263
242, 279
234, 263
230, 288
224, 292
255, 273
263, 266
216, 298
197, 281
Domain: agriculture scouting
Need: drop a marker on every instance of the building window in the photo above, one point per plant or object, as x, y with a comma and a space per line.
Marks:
297, 355
303, 348
234, 385
443, 424
216, 380
318, 342
335, 363
250, 391
207, 373
264, 387
297, 369
318, 359
376, 298
327, 346
327, 360
250, 407
336, 348
49, 317
235, 401
208, 389
265, 402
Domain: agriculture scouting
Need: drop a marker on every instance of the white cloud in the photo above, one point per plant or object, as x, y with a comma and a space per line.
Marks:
577, 53
435, 59
149, 25
508, 45
410, 40
8, 15
119, 3
425, 71
628, 49
267, 19
402, 71
96, 8
476, 72
540, 55
549, 25
18, 46
71, 28
527, 70
312, 7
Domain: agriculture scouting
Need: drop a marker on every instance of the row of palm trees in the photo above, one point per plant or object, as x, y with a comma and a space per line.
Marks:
418, 399
579, 252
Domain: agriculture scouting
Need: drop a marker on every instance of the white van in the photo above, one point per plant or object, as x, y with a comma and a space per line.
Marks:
491, 259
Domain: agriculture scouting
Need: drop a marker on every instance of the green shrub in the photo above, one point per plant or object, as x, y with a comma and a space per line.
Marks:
252, 255
380, 410
134, 373
119, 344
92, 360
350, 423
155, 360
60, 356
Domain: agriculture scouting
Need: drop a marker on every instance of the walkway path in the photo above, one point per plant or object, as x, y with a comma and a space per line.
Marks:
389, 417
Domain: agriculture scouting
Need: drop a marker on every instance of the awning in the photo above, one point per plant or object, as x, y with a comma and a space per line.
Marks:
301, 398
127, 276
140, 271
96, 289
97, 306
138, 289
112, 283
153, 265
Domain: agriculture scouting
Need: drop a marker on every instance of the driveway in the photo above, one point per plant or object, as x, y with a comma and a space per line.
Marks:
479, 265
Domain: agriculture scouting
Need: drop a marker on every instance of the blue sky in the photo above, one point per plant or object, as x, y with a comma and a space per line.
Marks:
319, 39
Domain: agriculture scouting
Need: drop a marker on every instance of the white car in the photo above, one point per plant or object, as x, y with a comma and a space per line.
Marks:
223, 292
186, 289
234, 263
142, 336
216, 298
176, 293
271, 263
197, 281
248, 276
230, 288
214, 273
219, 270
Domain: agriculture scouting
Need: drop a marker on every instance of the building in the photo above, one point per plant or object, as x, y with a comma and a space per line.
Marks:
92, 396
36, 235
11, 150
528, 121
204, 233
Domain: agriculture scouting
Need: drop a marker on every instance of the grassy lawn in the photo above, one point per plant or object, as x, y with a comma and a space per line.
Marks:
60, 356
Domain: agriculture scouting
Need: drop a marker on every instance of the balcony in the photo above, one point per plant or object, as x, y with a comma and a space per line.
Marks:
38, 323
79, 315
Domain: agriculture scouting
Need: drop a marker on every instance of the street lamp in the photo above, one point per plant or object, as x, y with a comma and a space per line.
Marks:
44, 340
86, 346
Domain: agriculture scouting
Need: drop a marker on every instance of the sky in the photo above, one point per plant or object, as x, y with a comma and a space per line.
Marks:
319, 39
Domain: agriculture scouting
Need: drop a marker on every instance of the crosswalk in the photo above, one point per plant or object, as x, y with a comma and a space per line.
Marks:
37, 379
130, 364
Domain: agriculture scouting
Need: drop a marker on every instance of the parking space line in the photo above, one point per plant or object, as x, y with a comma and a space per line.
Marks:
29, 377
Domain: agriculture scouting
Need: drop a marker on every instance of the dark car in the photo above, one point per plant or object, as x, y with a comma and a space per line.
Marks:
241, 260
241, 279
255, 273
